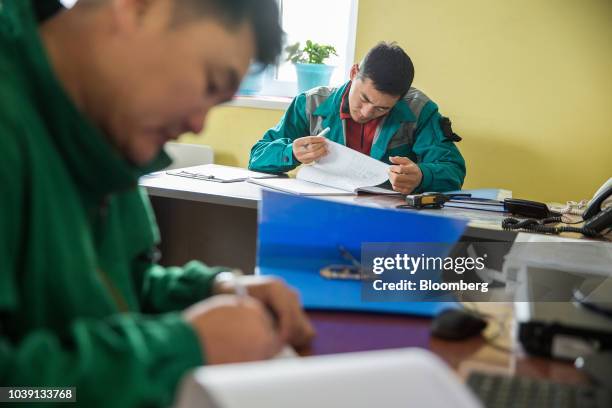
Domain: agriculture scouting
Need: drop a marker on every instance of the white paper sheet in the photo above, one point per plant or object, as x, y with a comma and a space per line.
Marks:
299, 187
346, 169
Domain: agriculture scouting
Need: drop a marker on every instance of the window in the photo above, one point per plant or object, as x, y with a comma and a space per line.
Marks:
332, 22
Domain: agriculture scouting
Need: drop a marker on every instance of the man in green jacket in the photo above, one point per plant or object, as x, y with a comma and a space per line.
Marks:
88, 97
376, 113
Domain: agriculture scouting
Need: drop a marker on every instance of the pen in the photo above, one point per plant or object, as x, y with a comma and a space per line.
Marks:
198, 176
241, 292
231, 277
324, 131
321, 134
239, 289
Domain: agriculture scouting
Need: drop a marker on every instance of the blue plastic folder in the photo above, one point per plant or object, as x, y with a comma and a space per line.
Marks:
299, 235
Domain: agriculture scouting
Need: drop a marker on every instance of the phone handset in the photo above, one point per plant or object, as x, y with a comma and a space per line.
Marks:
600, 201
598, 215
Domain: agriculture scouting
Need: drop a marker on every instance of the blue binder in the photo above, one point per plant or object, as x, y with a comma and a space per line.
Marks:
298, 236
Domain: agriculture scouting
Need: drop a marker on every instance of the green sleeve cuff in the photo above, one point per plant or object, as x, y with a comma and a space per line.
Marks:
174, 288
427, 179
288, 157
203, 285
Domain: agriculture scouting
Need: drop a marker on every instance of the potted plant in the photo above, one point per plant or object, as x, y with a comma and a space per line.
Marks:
311, 71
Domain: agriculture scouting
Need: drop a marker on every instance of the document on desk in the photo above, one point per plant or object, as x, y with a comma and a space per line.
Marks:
343, 171
219, 174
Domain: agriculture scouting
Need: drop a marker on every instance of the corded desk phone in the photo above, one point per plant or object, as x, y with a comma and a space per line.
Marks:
597, 218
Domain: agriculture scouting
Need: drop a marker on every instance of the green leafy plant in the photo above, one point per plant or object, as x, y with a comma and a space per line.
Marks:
312, 53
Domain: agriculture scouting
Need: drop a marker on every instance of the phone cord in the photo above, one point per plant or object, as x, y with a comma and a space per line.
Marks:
533, 225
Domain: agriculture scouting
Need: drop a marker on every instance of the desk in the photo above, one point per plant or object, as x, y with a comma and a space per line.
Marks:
346, 332
204, 220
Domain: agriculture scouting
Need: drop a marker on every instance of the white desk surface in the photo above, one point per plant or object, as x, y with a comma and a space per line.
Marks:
240, 194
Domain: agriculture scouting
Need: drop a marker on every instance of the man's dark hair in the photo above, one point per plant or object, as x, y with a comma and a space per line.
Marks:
262, 15
389, 68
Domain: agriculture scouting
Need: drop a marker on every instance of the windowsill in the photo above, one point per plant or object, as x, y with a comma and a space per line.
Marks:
260, 102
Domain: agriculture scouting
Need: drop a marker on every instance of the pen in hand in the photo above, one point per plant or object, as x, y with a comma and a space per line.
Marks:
240, 289
241, 292
324, 132
321, 134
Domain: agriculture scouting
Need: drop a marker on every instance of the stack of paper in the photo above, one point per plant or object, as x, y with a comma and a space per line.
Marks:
498, 194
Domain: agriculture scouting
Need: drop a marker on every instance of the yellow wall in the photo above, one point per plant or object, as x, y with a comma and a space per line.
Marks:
233, 131
528, 84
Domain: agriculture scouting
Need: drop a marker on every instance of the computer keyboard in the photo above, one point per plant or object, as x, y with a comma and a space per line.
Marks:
499, 391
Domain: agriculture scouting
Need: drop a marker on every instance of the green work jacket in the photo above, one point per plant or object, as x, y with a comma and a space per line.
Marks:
82, 301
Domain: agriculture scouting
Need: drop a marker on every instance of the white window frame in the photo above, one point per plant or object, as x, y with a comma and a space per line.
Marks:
277, 94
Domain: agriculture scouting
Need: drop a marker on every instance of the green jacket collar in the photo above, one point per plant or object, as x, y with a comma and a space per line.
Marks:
88, 155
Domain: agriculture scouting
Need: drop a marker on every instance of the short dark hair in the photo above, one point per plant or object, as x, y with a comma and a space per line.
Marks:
263, 15
389, 67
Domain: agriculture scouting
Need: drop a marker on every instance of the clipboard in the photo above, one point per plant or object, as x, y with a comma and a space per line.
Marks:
219, 174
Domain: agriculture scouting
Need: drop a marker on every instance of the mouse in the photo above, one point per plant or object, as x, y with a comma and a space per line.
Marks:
457, 324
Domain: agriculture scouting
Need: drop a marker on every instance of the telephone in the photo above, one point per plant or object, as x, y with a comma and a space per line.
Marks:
597, 218
598, 214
